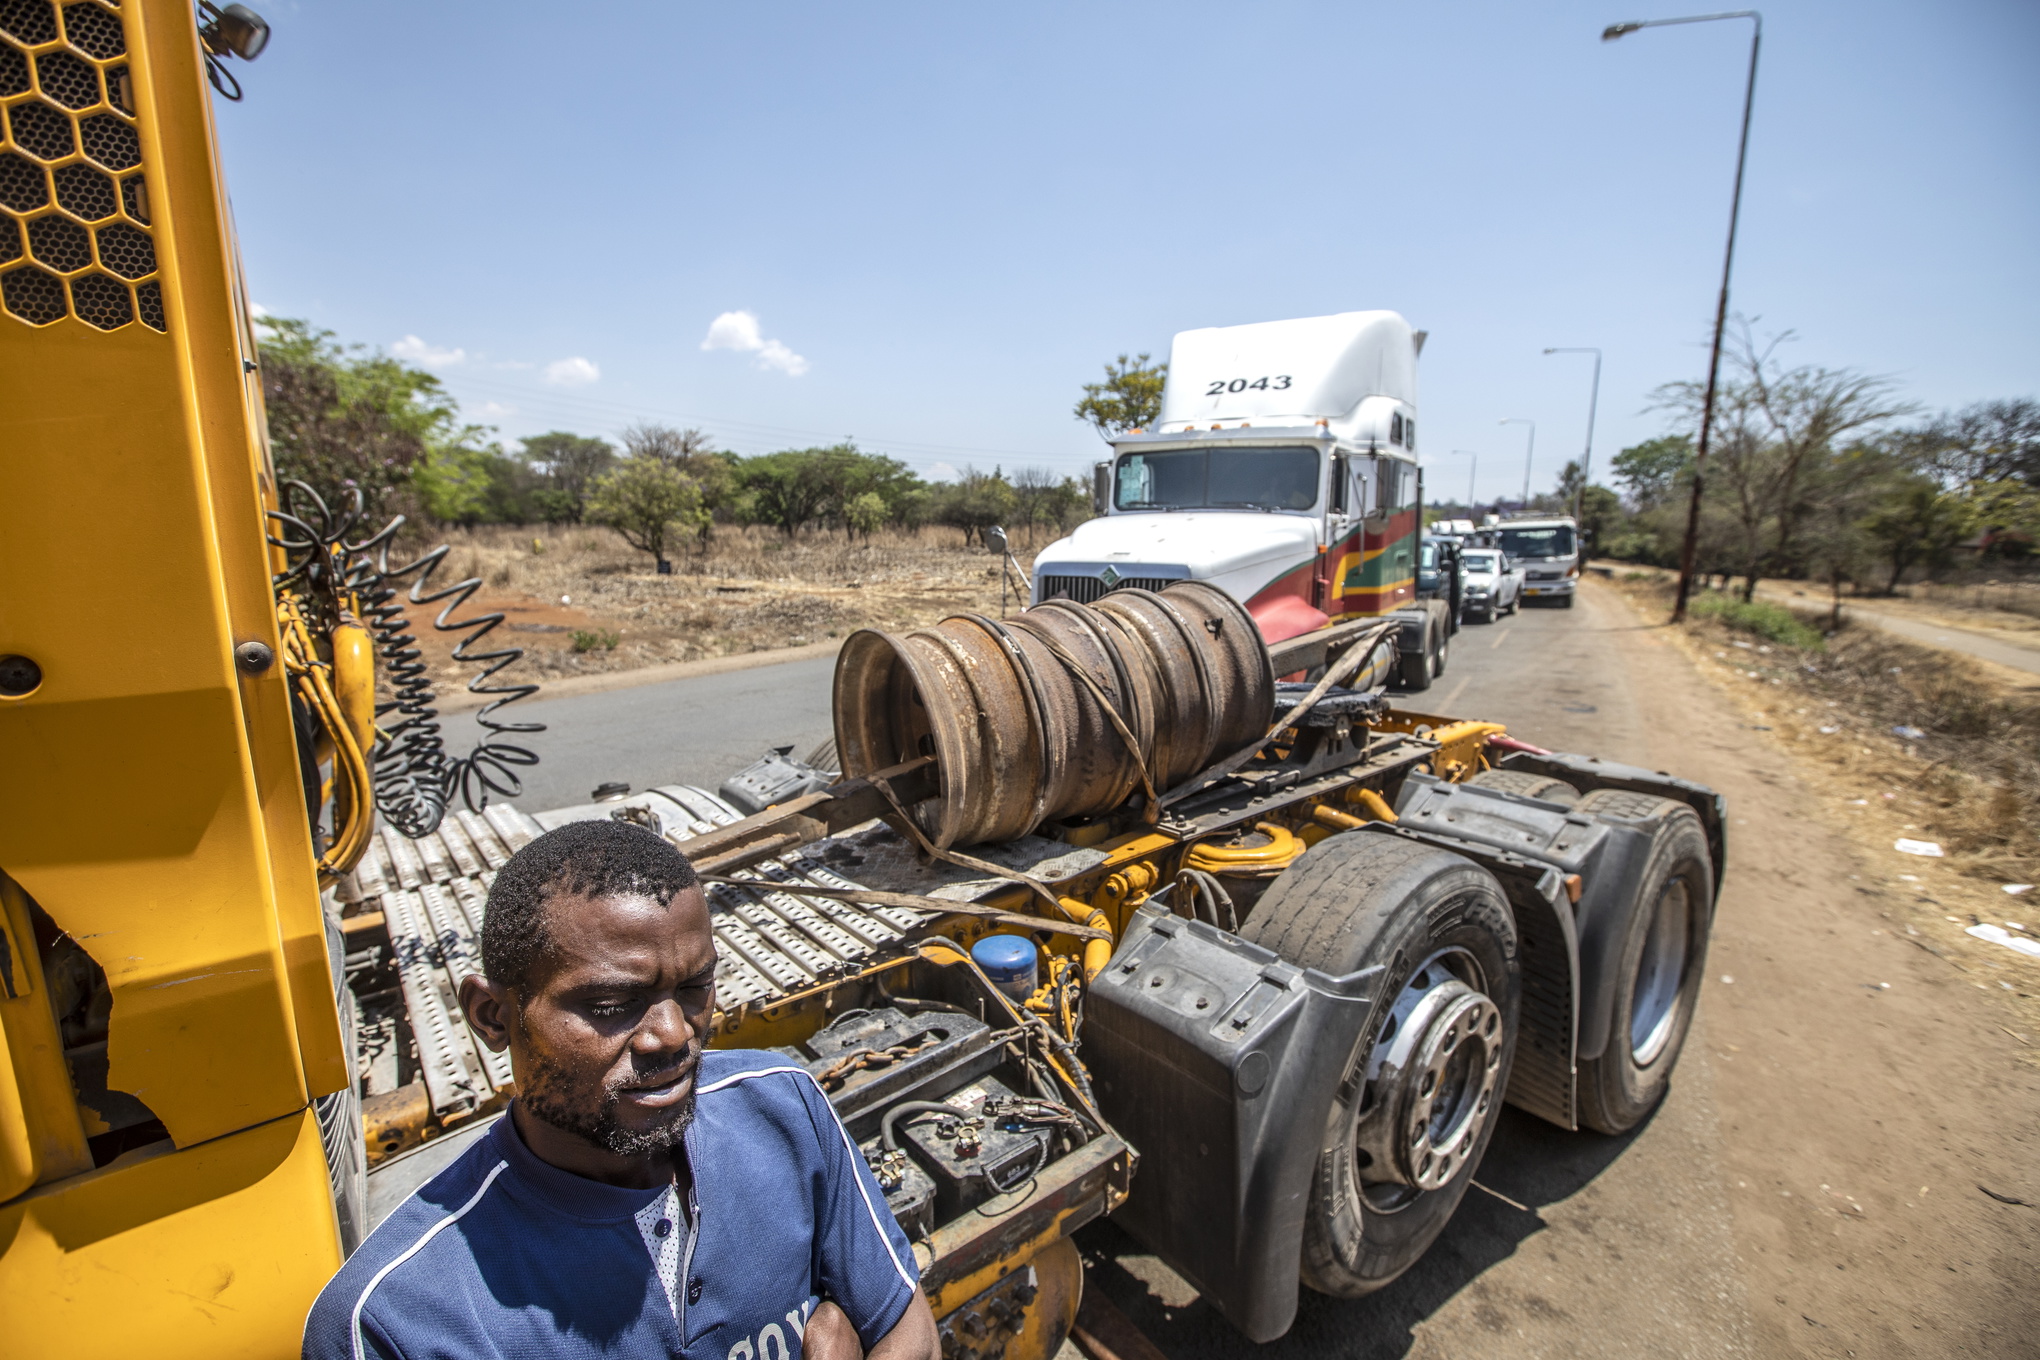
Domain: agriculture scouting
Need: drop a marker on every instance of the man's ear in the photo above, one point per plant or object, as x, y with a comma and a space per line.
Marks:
489, 1009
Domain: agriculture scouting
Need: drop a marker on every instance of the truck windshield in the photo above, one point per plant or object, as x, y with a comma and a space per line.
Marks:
1218, 479
1551, 541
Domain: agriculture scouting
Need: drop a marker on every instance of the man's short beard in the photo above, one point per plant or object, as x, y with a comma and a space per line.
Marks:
540, 1093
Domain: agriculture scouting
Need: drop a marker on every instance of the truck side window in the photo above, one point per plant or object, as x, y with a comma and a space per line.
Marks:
1395, 428
1409, 433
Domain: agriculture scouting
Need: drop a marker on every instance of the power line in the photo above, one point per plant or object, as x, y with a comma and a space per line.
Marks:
739, 430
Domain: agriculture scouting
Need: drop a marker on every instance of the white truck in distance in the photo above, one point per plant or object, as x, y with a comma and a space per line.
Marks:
1282, 470
1547, 552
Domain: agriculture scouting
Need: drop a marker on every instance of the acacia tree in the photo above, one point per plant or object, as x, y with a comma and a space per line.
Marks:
1775, 428
646, 499
571, 462
1130, 398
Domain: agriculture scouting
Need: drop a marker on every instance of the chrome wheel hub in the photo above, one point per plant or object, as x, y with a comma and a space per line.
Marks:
1660, 974
1431, 1081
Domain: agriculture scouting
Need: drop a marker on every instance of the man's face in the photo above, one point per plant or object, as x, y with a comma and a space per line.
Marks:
606, 1036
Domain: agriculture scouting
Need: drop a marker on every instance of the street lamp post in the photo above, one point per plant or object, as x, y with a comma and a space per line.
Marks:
1529, 452
1593, 403
1609, 34
1472, 477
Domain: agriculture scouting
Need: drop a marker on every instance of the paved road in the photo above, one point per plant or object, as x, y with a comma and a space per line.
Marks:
698, 731
1949, 638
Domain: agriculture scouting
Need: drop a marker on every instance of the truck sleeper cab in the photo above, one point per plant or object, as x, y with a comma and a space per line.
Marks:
1282, 470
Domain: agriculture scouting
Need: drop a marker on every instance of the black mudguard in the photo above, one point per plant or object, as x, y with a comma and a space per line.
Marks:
1218, 1060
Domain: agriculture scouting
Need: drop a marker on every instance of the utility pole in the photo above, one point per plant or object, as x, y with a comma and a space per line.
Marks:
1529, 452
1472, 477
1593, 403
1688, 549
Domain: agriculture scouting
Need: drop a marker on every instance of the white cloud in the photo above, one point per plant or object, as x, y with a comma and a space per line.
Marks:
413, 350
942, 472
739, 331
257, 310
776, 355
573, 372
496, 410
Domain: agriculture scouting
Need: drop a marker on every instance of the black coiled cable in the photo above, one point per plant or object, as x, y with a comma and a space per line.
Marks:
415, 779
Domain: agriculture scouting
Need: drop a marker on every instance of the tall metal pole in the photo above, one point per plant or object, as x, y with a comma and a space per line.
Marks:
1472, 477
1529, 453
1593, 404
1689, 548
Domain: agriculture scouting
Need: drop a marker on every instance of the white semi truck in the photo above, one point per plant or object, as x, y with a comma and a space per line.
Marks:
1283, 470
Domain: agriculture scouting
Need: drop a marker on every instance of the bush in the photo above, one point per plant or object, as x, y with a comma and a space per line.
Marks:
596, 639
1766, 620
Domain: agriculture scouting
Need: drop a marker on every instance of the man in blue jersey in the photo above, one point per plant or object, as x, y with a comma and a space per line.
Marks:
645, 1196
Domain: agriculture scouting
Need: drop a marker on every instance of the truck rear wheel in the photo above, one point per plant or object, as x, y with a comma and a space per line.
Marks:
1414, 668
1424, 1084
1539, 786
1659, 966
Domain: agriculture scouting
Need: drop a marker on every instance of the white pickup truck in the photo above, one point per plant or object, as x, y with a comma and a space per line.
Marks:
1284, 471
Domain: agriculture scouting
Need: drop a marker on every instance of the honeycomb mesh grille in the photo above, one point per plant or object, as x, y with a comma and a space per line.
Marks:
94, 31
29, 21
72, 243
85, 193
67, 80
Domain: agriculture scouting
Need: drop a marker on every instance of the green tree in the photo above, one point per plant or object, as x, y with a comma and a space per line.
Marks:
1651, 472
1916, 522
791, 488
865, 514
646, 500
975, 502
1775, 430
1130, 398
571, 463
339, 415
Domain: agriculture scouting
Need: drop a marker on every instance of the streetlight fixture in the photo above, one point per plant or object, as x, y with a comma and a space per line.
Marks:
1593, 403
1472, 477
1529, 451
1609, 34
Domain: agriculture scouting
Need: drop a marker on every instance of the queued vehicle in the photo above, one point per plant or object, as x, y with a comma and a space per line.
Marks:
1547, 549
1282, 469
1440, 575
1494, 584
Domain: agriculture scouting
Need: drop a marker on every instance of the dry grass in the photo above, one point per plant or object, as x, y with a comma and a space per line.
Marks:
751, 590
1970, 780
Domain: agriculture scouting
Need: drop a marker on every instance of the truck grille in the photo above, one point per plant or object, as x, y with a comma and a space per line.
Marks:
1089, 589
74, 218
1544, 576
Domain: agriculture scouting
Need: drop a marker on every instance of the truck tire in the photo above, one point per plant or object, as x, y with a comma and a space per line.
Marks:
1442, 928
1413, 669
1660, 964
1540, 786
1444, 650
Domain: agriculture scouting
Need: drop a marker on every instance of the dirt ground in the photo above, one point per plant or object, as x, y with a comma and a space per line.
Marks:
581, 602
1846, 1163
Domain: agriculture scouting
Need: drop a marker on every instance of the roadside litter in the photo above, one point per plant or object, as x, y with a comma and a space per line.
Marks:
1999, 935
1909, 733
2016, 888
1931, 849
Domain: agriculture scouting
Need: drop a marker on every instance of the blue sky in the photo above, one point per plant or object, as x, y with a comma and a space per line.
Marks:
943, 219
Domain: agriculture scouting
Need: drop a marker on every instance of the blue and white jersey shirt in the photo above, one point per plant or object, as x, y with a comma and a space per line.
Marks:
505, 1255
